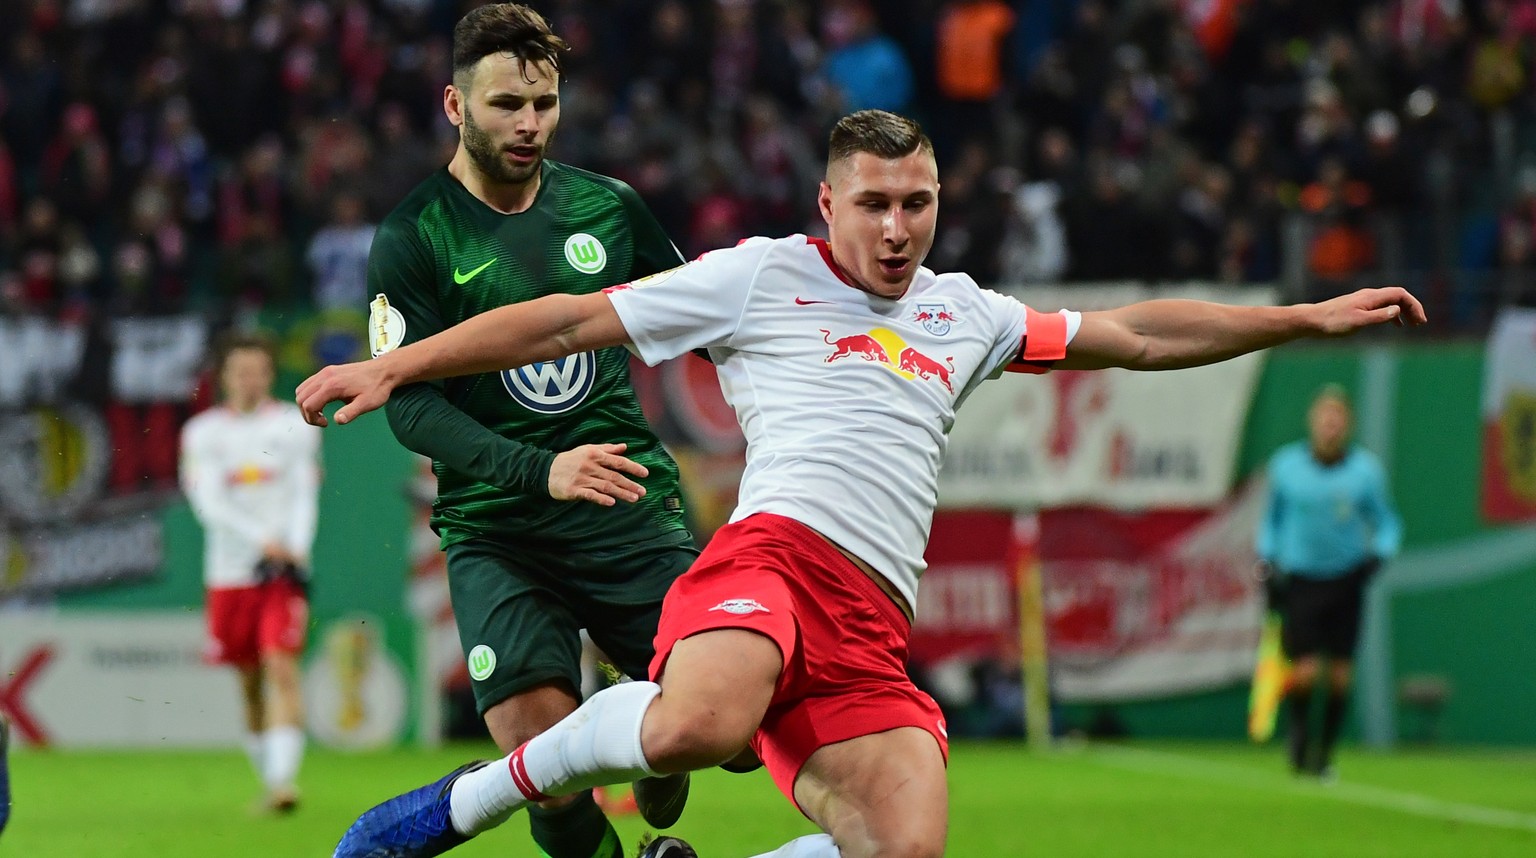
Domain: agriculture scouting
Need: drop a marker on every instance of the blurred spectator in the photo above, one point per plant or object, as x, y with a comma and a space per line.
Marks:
77, 167
10, 196
1201, 225
1109, 237
334, 157
1341, 247
338, 256
865, 67
194, 148
971, 68
784, 169
260, 267
29, 102
256, 189
180, 156
38, 249
401, 160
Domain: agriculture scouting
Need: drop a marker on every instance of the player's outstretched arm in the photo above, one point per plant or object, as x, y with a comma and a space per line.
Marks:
1174, 334
515, 335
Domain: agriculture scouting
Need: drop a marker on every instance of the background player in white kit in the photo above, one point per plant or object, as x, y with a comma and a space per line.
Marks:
250, 468
845, 362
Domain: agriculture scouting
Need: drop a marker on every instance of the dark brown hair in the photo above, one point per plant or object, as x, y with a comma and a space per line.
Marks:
503, 28
236, 341
877, 132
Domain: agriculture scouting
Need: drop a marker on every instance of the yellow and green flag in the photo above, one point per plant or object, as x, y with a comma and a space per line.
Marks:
1269, 677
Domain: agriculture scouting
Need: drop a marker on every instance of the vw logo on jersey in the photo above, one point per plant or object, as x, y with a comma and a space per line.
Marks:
585, 253
552, 387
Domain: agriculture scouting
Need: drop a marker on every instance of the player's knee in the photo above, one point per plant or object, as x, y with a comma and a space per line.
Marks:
523, 716
678, 739
907, 842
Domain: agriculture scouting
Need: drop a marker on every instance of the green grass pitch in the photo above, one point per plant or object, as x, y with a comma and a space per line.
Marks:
1185, 800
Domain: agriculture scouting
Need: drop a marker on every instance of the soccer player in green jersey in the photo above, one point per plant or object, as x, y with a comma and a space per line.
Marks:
557, 505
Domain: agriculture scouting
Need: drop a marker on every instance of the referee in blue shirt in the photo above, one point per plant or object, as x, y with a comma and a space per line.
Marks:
1327, 527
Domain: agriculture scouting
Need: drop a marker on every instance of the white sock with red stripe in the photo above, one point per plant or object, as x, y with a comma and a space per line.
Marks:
810, 846
596, 745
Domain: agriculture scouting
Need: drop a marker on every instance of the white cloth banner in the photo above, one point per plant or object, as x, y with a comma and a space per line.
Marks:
115, 679
1113, 438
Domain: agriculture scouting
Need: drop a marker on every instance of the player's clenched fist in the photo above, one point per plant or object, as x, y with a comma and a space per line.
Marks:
596, 473
362, 386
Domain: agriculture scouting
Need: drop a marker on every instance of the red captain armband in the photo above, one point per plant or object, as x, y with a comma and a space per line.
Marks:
1044, 343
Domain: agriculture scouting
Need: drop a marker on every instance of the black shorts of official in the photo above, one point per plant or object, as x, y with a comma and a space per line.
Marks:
520, 612
1322, 615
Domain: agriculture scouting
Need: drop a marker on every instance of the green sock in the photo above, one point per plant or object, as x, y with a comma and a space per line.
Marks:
577, 830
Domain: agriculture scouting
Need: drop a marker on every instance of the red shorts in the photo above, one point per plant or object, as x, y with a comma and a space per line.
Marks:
844, 641
246, 622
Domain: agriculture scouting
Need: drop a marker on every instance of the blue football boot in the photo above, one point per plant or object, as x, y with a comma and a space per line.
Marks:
413, 825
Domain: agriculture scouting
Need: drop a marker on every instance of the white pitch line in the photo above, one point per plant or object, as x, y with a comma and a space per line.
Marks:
1179, 765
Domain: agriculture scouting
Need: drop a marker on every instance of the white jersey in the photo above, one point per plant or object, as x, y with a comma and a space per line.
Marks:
845, 398
252, 478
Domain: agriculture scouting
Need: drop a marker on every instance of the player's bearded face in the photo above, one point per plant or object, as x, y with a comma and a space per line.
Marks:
510, 116
881, 213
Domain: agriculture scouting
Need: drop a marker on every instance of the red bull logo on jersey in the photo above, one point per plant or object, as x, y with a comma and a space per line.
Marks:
250, 475
913, 361
935, 317
887, 348
741, 607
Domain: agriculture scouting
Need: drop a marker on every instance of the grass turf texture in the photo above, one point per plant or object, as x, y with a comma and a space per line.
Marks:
1186, 800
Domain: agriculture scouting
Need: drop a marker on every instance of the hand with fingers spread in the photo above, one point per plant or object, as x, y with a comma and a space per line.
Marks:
596, 473
361, 387
1367, 307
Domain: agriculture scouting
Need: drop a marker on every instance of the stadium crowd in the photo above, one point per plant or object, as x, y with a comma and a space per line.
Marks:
158, 155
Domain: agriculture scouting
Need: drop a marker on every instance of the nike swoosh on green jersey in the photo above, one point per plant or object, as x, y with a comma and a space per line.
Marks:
461, 279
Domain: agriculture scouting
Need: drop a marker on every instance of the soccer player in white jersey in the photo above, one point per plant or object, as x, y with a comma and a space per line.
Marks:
845, 362
250, 468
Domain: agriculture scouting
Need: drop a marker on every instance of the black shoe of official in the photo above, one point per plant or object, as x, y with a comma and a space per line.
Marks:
661, 799
667, 847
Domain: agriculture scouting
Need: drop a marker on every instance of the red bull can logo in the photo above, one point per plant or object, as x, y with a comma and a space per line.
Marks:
887, 348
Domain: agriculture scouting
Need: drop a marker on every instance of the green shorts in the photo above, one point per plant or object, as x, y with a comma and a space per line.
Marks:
520, 612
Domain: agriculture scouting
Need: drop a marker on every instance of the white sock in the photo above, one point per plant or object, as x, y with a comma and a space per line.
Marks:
284, 752
596, 745
255, 751
810, 846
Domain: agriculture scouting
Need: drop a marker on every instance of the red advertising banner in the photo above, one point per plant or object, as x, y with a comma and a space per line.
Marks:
967, 603
1509, 419
1136, 605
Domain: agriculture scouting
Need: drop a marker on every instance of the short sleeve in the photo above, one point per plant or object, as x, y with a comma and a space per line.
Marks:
1026, 340
693, 306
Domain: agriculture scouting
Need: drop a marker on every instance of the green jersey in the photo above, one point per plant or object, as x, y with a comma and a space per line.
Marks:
443, 256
